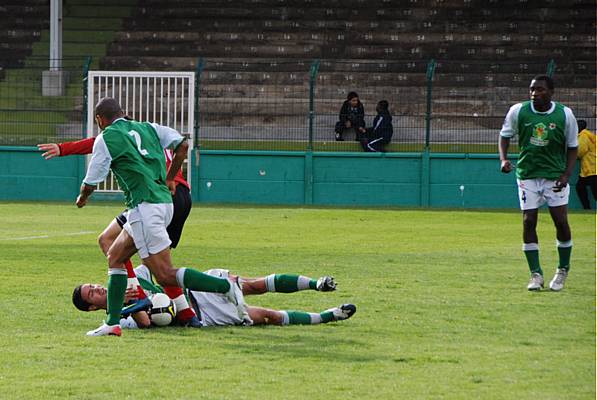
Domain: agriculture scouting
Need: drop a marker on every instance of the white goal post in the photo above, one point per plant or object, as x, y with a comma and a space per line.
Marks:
166, 98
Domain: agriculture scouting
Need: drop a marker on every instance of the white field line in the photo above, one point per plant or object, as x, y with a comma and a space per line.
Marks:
48, 236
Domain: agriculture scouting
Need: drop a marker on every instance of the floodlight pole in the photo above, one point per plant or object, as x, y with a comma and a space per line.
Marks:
55, 79
55, 35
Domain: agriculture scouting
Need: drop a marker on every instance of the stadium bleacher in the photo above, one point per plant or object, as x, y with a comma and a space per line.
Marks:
258, 52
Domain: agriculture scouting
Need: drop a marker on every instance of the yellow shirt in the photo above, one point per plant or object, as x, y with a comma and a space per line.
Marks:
586, 153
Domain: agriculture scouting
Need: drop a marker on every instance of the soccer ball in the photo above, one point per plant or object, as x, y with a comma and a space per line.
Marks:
162, 311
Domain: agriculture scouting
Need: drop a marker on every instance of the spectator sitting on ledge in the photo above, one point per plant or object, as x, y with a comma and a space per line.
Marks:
375, 138
352, 115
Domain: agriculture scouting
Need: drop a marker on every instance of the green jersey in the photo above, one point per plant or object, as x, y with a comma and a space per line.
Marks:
134, 151
543, 139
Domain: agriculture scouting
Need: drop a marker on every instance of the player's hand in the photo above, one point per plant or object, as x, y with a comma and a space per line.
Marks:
506, 166
51, 150
347, 124
362, 130
81, 202
132, 293
172, 186
561, 183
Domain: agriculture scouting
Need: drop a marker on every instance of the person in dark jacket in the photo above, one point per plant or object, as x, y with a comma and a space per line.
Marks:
380, 134
352, 115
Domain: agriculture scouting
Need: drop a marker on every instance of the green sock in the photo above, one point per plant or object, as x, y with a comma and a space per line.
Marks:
305, 318
288, 283
533, 261
195, 280
117, 281
326, 316
564, 253
298, 318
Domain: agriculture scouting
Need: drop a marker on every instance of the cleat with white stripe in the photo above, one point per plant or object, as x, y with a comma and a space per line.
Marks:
106, 330
343, 312
536, 282
557, 283
326, 284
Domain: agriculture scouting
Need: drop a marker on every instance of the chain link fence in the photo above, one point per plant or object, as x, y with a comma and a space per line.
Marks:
443, 106
40, 105
253, 105
440, 105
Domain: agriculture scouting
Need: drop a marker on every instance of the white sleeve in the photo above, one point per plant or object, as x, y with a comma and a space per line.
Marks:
169, 138
571, 129
510, 126
99, 166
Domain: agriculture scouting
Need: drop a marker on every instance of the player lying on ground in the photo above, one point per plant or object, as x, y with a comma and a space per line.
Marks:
216, 309
181, 200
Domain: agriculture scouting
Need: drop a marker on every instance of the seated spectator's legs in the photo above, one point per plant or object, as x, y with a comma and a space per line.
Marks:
339, 129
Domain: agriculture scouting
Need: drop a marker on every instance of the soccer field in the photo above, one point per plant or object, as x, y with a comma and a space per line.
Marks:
443, 310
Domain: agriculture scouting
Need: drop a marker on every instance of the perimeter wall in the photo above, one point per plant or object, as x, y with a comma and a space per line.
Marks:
418, 179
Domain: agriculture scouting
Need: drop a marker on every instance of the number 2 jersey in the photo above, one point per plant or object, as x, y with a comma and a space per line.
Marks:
134, 152
85, 146
543, 139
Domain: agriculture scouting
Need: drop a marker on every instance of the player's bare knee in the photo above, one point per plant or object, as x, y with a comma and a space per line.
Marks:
253, 286
104, 243
529, 221
114, 260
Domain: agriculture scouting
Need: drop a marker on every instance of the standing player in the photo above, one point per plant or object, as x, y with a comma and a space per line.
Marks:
547, 137
182, 203
134, 152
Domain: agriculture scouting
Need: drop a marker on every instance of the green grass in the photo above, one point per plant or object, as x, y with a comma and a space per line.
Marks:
443, 312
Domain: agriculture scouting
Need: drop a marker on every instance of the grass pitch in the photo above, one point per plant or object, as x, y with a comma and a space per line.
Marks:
443, 312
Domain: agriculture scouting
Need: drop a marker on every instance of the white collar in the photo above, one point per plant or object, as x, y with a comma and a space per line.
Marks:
553, 106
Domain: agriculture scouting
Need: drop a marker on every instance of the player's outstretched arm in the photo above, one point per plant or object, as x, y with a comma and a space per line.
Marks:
138, 310
50, 150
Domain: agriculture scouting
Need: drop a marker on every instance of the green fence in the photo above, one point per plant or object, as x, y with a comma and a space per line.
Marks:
437, 105
38, 105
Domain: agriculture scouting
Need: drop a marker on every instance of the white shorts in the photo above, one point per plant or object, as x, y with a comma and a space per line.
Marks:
533, 193
147, 224
215, 308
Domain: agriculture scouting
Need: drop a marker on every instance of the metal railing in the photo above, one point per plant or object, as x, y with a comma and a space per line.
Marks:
438, 105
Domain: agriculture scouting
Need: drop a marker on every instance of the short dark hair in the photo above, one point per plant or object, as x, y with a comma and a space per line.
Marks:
352, 95
108, 108
547, 79
78, 300
582, 124
384, 104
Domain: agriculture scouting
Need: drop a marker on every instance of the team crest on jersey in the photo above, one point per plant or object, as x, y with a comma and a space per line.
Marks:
540, 135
